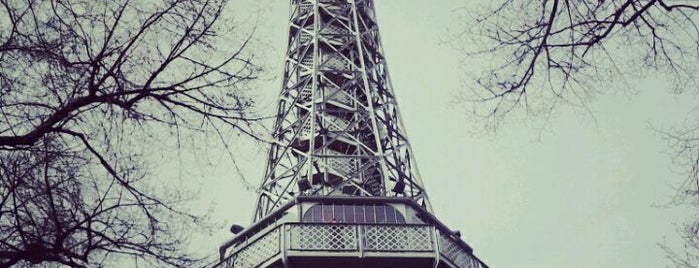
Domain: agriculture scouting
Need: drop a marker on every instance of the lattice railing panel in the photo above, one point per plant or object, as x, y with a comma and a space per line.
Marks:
332, 237
256, 252
456, 254
342, 164
387, 238
398, 238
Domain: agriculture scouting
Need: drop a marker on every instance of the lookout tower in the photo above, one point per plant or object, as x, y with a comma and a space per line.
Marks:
341, 187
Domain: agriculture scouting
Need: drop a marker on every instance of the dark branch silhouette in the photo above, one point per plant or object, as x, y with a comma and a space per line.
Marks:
84, 87
555, 50
544, 53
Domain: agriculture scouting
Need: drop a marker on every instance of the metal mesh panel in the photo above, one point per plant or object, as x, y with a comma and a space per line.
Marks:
308, 58
343, 165
306, 92
456, 254
397, 238
306, 7
333, 237
305, 38
306, 129
334, 30
256, 253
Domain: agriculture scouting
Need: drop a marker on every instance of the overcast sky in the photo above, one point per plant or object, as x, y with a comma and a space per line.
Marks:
582, 191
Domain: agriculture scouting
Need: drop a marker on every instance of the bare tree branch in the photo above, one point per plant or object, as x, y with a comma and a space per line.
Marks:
563, 51
84, 86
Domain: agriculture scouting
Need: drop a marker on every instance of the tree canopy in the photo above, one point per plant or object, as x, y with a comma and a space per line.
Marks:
541, 54
86, 87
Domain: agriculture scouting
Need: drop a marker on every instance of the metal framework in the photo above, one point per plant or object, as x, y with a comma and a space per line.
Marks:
341, 188
288, 238
338, 129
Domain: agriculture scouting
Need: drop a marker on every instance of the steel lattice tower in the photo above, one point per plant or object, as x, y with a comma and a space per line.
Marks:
341, 188
338, 129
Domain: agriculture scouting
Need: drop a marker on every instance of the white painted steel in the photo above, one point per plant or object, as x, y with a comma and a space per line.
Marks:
338, 129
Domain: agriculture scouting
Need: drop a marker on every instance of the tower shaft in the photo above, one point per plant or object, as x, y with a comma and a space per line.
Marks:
338, 129
341, 188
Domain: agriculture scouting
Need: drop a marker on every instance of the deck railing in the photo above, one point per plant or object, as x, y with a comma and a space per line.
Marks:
349, 239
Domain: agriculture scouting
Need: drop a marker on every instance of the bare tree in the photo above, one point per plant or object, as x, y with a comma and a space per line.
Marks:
554, 50
684, 142
547, 52
85, 86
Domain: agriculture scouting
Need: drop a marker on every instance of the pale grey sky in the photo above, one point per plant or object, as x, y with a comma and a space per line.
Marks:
578, 193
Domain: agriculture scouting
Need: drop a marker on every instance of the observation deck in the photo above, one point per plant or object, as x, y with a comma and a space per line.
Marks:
343, 231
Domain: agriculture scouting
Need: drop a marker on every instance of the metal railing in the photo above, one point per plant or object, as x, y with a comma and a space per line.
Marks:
456, 254
255, 252
350, 238
361, 237
323, 237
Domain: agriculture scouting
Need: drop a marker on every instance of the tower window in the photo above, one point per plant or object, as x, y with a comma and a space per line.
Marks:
336, 213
